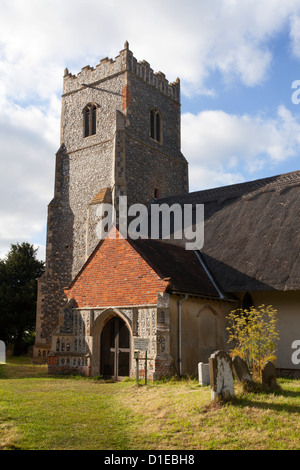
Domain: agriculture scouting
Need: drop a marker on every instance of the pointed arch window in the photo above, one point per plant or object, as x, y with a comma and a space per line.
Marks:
155, 125
247, 302
90, 120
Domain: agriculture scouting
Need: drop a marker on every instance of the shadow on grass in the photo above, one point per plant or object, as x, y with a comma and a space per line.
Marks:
15, 370
264, 405
256, 396
253, 397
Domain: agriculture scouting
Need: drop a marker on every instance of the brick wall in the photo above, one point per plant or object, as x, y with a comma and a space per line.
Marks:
116, 275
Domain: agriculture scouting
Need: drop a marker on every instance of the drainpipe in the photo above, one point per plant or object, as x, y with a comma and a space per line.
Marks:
209, 274
179, 334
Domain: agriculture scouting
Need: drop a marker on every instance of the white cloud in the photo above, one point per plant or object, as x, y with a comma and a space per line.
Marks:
192, 39
41, 252
202, 177
27, 163
38, 39
295, 34
229, 145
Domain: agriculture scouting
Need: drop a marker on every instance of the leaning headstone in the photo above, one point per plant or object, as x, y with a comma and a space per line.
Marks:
2, 352
203, 373
221, 375
269, 376
240, 370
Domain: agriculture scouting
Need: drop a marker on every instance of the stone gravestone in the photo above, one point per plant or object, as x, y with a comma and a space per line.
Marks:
221, 375
240, 370
2, 352
203, 373
269, 376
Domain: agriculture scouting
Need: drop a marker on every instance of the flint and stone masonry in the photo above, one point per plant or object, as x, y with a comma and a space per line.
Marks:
120, 158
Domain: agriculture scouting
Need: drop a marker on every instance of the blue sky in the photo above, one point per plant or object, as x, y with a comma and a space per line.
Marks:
236, 59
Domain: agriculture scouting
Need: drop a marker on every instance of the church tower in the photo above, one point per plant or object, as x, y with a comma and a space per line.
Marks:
120, 136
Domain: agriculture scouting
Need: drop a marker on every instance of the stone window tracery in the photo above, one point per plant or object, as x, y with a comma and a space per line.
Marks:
90, 120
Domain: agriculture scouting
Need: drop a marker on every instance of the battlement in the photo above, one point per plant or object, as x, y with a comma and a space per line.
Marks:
125, 61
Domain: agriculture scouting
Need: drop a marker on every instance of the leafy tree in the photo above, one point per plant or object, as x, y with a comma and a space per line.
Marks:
253, 335
19, 273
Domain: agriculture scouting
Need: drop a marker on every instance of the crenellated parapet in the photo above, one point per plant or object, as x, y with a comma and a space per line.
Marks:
125, 61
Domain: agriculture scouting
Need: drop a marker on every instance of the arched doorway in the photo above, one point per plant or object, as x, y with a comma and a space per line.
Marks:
208, 340
115, 349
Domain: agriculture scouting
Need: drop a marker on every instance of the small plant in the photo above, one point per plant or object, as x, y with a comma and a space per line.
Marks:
253, 335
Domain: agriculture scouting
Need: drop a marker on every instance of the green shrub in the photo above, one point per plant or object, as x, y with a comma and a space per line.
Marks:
253, 335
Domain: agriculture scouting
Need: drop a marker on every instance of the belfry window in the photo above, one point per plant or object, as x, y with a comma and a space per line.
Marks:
247, 302
89, 120
155, 125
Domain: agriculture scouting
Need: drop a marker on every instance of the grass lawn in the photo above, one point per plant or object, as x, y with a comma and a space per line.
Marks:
40, 412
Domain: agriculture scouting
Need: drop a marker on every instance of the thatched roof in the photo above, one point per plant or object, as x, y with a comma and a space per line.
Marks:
252, 233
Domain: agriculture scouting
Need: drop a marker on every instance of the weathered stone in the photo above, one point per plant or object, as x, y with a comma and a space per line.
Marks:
269, 376
221, 375
203, 373
2, 353
240, 370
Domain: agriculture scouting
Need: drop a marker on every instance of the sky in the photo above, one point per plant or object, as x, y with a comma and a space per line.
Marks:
239, 67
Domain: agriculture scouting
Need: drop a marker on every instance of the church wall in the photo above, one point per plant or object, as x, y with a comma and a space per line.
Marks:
142, 323
80, 177
91, 159
120, 156
203, 330
71, 344
116, 281
287, 306
76, 345
107, 95
148, 168
145, 97
151, 164
83, 167
59, 258
88, 174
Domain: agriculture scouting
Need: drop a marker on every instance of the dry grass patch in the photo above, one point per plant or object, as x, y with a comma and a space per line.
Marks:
170, 413
42, 412
9, 435
21, 367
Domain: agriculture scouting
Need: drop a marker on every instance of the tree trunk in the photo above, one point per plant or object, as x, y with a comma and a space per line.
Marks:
18, 343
